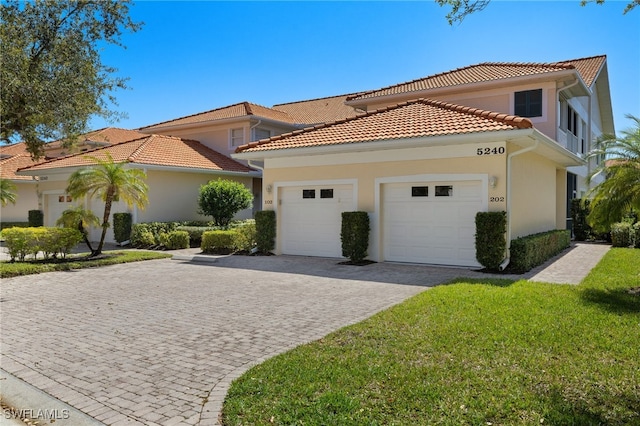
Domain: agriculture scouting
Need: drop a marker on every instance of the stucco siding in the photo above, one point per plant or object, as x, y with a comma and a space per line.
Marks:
26, 199
533, 195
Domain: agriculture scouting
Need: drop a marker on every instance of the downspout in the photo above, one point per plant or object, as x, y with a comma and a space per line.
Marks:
507, 258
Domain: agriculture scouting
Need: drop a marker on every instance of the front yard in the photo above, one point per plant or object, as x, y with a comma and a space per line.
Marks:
489, 352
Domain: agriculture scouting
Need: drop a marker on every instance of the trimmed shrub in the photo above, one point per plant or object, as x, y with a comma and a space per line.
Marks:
621, 234
122, 226
21, 242
36, 218
245, 236
219, 242
533, 250
491, 244
354, 235
175, 240
579, 211
195, 233
140, 233
265, 230
636, 234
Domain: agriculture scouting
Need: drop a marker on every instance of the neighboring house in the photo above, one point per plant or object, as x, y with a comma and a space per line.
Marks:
422, 169
13, 157
175, 170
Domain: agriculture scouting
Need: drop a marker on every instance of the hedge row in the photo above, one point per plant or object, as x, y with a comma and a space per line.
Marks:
51, 242
533, 250
239, 239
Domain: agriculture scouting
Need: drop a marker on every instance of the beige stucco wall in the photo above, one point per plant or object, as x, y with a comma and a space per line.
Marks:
26, 199
534, 201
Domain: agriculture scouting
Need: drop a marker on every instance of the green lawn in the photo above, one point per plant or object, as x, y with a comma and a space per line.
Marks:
79, 261
488, 352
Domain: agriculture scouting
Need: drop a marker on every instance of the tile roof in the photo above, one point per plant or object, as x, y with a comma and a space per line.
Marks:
316, 111
156, 150
413, 119
9, 166
107, 135
488, 71
13, 149
242, 109
589, 67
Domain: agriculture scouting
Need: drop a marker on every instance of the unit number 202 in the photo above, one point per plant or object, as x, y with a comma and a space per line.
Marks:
491, 151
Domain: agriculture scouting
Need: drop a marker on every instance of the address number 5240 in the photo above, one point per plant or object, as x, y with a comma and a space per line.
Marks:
491, 151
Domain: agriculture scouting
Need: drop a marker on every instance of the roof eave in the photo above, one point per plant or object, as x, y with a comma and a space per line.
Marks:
221, 121
194, 170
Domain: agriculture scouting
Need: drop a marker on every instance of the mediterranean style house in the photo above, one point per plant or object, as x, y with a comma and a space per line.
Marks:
421, 157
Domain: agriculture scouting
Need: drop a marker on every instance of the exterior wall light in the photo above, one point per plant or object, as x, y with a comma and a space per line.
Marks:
493, 181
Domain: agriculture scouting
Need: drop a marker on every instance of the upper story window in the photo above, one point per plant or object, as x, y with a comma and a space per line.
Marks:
528, 103
259, 134
237, 137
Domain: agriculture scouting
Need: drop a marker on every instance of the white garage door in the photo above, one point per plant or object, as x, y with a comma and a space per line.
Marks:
431, 222
311, 218
56, 204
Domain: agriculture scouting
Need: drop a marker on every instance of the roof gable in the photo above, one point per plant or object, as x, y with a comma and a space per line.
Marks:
413, 119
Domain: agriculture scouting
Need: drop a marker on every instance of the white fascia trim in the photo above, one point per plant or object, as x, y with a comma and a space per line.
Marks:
483, 85
191, 170
347, 147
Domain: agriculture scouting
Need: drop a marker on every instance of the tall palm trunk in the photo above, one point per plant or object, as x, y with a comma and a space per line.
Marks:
105, 220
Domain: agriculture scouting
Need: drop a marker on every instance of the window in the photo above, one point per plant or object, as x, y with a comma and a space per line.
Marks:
419, 191
308, 193
261, 134
444, 191
572, 120
237, 137
528, 103
326, 193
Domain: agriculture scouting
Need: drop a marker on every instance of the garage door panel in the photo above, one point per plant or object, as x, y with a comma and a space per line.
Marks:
311, 226
431, 229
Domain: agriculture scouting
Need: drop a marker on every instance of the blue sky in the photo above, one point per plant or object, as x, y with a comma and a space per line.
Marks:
195, 56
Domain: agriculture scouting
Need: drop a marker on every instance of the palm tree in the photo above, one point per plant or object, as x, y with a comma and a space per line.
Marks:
619, 193
79, 218
7, 192
111, 182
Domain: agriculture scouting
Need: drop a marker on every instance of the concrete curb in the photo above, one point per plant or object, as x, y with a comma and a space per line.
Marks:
40, 405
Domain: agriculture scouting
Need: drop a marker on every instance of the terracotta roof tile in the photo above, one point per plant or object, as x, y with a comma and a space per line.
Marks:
589, 67
242, 109
413, 119
9, 166
157, 150
107, 135
316, 111
488, 71
13, 149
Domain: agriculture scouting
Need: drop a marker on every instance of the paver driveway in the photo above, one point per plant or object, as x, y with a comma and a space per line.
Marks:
158, 342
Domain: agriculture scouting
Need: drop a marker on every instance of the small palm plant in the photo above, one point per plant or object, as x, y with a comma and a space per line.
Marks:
619, 193
7, 192
111, 182
80, 219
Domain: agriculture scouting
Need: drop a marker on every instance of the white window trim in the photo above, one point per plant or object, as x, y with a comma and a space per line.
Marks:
233, 145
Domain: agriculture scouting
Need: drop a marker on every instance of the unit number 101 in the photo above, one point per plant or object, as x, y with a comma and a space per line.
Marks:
491, 151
